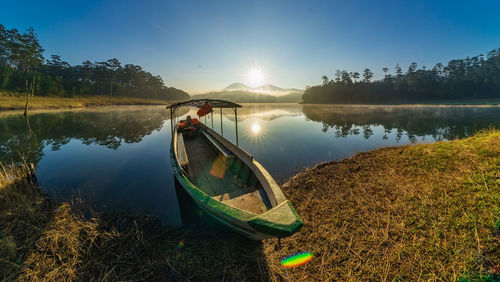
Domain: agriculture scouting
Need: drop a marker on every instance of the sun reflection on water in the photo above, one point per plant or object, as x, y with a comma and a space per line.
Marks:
256, 132
255, 128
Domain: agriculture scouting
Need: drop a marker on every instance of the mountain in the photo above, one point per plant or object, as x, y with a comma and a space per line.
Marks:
240, 93
236, 86
268, 89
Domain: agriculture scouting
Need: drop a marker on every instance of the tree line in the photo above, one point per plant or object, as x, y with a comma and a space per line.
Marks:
471, 78
23, 68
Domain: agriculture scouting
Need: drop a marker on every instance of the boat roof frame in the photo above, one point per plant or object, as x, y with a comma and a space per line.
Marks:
215, 103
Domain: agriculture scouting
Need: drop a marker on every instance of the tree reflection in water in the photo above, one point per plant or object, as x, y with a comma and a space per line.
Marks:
24, 140
442, 123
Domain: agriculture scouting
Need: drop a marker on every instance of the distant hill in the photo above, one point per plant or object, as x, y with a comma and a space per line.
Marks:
240, 93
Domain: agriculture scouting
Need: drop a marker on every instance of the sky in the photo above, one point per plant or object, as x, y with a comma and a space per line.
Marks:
200, 46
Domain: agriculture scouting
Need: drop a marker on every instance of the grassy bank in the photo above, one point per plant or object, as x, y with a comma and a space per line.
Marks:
17, 102
429, 211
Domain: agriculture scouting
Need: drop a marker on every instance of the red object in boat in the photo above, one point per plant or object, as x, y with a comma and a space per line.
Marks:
196, 121
204, 110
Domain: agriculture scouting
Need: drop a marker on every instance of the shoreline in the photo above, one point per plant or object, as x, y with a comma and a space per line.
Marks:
103, 108
37, 103
13, 103
374, 215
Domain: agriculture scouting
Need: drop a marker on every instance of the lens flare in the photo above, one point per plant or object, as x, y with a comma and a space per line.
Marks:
179, 248
297, 259
180, 245
219, 167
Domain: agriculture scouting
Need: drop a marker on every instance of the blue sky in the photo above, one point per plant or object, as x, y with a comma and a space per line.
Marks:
206, 45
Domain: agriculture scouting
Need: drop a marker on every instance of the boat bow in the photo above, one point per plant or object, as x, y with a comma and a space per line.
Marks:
280, 221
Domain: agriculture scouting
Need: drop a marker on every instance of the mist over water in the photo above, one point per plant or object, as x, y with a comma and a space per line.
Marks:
118, 158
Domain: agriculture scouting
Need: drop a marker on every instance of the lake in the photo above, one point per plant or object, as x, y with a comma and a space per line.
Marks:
118, 157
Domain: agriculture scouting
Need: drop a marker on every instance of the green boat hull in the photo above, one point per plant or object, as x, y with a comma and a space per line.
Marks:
280, 221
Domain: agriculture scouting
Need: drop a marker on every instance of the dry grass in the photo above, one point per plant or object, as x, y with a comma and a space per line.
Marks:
16, 102
43, 240
424, 212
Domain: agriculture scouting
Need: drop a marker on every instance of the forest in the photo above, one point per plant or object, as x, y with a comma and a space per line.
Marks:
24, 69
462, 79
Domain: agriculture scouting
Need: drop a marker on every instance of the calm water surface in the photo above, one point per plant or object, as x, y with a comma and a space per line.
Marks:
118, 158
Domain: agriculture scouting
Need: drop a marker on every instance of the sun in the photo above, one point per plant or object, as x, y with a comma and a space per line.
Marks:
255, 77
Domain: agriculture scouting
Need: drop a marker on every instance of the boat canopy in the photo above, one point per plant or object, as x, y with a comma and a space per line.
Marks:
215, 103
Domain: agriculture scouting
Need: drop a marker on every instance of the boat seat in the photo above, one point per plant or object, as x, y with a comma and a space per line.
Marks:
223, 150
181, 151
248, 199
234, 194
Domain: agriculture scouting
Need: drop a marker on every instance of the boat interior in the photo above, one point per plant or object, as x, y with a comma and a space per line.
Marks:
219, 173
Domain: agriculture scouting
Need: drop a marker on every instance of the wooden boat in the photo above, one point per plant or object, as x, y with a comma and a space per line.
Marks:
227, 182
